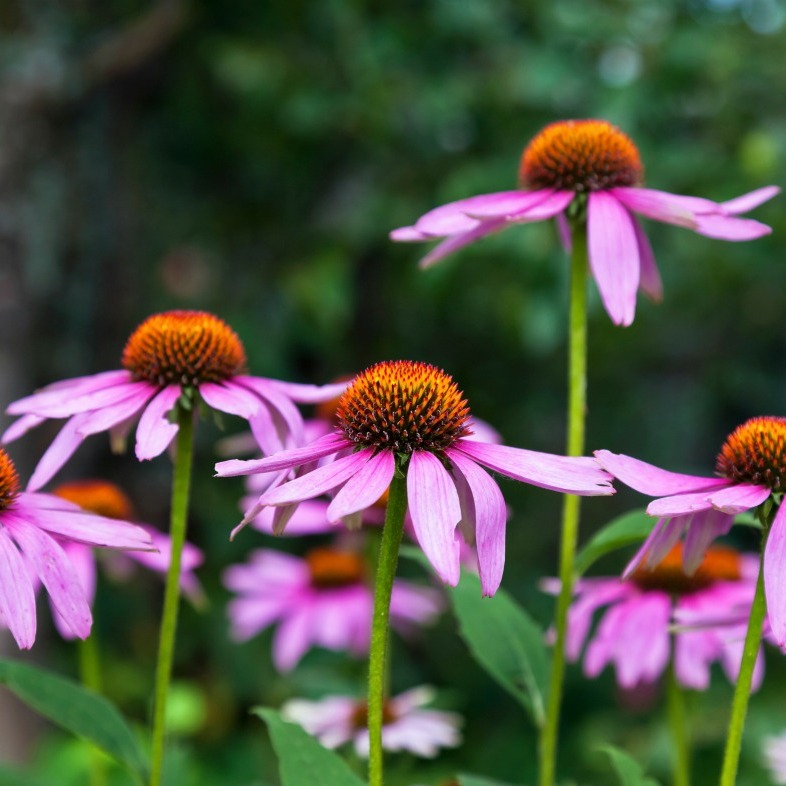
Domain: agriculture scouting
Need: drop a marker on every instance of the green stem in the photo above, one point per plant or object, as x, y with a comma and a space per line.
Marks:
386, 572
675, 708
181, 483
742, 691
90, 674
577, 409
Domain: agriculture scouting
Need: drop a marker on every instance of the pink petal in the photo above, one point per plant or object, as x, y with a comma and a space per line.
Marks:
747, 202
662, 206
652, 480
563, 232
57, 454
506, 204
775, 576
364, 488
21, 426
613, 256
571, 475
723, 227
738, 498
649, 276
278, 400
679, 505
455, 242
553, 205
310, 394
694, 652
658, 543
230, 398
457, 217
600, 593
704, 527
408, 235
435, 511
17, 599
293, 638
155, 431
490, 518
102, 419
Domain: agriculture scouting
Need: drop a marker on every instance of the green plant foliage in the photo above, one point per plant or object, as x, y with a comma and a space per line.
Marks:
628, 770
623, 531
474, 780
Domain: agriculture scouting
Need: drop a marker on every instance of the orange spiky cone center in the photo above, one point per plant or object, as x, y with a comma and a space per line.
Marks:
580, 155
9, 481
719, 564
755, 452
403, 406
360, 715
184, 348
97, 496
333, 568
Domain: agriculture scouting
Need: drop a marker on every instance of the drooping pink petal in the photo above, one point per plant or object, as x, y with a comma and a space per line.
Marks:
230, 397
662, 206
458, 217
155, 431
103, 419
738, 498
553, 205
571, 475
731, 659
747, 202
279, 402
704, 527
455, 242
21, 426
723, 227
310, 394
694, 653
251, 615
591, 597
679, 505
658, 543
490, 518
293, 638
17, 599
505, 204
649, 275
652, 480
613, 255
563, 232
408, 235
364, 488
435, 512
57, 454
775, 576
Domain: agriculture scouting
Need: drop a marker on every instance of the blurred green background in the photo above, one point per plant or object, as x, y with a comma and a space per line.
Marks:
249, 158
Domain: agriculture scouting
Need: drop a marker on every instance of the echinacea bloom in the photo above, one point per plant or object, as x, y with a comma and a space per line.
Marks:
110, 501
176, 356
405, 725
411, 417
663, 613
752, 471
32, 528
589, 170
774, 749
323, 599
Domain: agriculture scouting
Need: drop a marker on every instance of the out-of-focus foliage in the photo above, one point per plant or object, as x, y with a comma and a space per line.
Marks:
249, 158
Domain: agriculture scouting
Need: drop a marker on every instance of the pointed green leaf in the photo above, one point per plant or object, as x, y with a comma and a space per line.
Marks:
474, 780
623, 531
301, 758
629, 771
506, 641
77, 710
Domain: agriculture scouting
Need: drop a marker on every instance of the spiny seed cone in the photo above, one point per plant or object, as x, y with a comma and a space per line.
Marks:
97, 496
9, 480
335, 568
719, 564
755, 452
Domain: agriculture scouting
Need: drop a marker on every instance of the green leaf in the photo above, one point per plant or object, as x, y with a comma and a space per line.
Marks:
630, 528
11, 777
77, 710
506, 641
474, 780
629, 771
301, 758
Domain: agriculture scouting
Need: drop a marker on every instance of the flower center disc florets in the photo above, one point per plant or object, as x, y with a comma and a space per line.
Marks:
9, 481
360, 715
403, 406
719, 564
755, 452
580, 155
184, 348
97, 496
335, 568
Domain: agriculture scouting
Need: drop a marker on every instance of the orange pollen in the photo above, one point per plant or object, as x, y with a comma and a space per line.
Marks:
184, 348
360, 715
9, 481
332, 568
97, 496
403, 406
755, 452
719, 564
580, 155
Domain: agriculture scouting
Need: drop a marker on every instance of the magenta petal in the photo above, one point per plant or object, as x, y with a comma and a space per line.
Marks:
365, 487
231, 398
563, 232
723, 227
490, 518
775, 576
746, 202
649, 275
17, 599
310, 394
155, 432
613, 255
102, 419
21, 426
553, 205
455, 242
279, 401
435, 511
571, 475
457, 217
59, 451
679, 505
408, 235
662, 206
600, 592
704, 527
506, 203
293, 638
652, 480
738, 498
658, 543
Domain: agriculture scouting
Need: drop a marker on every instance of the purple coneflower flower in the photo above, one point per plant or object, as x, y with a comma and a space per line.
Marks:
704, 614
410, 417
176, 356
774, 749
752, 470
32, 529
406, 727
578, 168
321, 600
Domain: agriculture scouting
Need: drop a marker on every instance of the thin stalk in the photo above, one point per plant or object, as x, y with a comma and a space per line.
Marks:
386, 572
676, 711
90, 674
181, 484
577, 412
742, 691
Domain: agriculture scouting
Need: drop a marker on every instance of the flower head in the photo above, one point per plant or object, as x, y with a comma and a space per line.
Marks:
171, 359
577, 170
33, 529
662, 613
410, 417
752, 469
405, 726
322, 599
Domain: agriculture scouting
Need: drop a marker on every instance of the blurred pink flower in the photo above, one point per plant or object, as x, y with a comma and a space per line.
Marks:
577, 168
323, 599
664, 613
774, 749
412, 412
406, 727
171, 357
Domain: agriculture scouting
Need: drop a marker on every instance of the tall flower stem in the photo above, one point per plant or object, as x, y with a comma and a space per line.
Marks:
181, 484
577, 409
675, 708
386, 572
90, 674
742, 691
